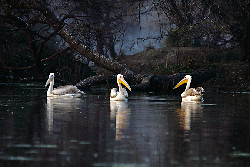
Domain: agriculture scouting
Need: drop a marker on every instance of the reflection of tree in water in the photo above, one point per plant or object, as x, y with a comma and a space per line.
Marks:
120, 113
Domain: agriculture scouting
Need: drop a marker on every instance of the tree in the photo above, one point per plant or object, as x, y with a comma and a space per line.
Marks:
211, 19
26, 14
101, 19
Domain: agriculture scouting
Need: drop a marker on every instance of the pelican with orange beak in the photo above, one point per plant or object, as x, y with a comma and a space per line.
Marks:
122, 94
190, 94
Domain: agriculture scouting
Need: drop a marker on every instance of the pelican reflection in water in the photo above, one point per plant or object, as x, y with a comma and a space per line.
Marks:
62, 91
119, 114
57, 106
49, 114
189, 112
190, 94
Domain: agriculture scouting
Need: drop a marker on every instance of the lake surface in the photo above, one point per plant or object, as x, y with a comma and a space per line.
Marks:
149, 130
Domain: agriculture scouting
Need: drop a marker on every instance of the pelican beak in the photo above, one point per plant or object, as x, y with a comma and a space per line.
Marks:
49, 80
122, 81
181, 82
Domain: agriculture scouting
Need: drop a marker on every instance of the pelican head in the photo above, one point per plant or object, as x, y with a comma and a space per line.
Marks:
187, 79
121, 80
50, 80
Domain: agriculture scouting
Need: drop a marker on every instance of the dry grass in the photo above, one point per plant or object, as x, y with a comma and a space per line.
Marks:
156, 61
231, 76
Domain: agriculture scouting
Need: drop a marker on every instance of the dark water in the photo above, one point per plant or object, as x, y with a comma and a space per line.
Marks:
149, 130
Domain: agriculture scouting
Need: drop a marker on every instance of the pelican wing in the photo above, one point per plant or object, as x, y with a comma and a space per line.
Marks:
113, 93
200, 90
189, 92
68, 89
125, 93
193, 92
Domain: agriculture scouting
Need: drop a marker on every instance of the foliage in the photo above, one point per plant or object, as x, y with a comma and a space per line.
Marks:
17, 54
28, 23
224, 56
205, 22
67, 68
183, 37
177, 68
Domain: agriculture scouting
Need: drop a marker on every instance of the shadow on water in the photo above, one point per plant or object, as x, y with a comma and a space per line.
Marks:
148, 130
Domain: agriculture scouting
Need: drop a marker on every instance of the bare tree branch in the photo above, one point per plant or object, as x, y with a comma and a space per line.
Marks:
43, 60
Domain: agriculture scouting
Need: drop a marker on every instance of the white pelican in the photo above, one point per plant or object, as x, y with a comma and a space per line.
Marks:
122, 94
190, 94
62, 91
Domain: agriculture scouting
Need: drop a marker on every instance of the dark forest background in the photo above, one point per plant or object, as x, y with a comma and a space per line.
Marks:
65, 37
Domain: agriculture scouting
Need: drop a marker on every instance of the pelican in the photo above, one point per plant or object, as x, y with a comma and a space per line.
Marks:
62, 91
190, 94
122, 94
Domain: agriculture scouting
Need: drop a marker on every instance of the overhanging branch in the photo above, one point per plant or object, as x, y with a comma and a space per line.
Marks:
43, 60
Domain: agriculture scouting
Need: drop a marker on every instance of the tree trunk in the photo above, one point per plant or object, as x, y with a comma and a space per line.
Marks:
149, 82
75, 44
11, 19
99, 41
111, 47
36, 53
245, 52
137, 81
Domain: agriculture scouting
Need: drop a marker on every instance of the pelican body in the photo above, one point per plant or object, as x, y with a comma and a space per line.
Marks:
122, 94
62, 91
190, 94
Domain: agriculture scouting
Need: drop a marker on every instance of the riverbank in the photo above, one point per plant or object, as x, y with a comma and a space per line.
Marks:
231, 75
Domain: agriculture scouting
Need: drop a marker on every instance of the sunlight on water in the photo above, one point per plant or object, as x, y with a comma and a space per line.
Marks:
239, 154
148, 130
84, 142
120, 165
36, 145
